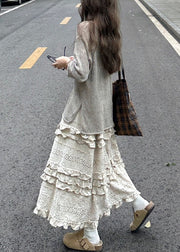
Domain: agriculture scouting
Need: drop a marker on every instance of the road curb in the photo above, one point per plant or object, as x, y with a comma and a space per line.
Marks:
171, 27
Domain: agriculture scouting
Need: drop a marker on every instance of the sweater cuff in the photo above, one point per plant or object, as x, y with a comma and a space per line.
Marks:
70, 68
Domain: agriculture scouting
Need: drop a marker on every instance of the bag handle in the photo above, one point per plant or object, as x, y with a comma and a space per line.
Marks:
121, 71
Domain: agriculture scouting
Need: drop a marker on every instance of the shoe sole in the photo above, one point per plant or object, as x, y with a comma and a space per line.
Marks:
149, 212
99, 249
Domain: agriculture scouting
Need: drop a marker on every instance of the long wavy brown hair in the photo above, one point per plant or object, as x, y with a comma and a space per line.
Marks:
105, 17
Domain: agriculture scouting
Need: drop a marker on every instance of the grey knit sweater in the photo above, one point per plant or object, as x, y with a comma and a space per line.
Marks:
89, 106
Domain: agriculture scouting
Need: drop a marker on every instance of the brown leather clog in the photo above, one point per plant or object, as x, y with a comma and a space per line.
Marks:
76, 241
140, 216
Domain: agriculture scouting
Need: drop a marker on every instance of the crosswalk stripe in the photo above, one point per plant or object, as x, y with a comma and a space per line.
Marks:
78, 5
33, 58
65, 20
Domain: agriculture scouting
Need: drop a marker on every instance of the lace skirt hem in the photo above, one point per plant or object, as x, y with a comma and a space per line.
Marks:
79, 225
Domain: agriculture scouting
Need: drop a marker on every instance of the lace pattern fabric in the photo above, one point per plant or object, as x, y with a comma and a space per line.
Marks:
83, 179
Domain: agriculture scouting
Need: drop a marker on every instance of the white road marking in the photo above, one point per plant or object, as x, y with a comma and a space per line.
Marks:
22, 5
173, 42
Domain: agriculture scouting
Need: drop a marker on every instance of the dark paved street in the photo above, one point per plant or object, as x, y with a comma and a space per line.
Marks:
32, 101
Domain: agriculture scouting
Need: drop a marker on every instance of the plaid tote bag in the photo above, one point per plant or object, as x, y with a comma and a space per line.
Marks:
124, 115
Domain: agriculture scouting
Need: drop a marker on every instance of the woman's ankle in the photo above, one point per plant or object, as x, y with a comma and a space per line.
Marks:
92, 235
139, 203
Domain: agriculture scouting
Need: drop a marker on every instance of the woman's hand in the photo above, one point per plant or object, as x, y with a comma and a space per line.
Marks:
62, 62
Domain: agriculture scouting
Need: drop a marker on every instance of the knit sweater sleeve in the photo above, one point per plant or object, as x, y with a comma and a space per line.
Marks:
79, 68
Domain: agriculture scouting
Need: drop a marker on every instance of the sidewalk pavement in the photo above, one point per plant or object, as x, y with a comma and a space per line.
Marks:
167, 12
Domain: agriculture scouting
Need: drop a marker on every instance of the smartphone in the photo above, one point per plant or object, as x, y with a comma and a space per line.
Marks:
51, 58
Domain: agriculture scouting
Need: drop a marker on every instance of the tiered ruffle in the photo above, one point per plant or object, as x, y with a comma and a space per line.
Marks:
74, 181
93, 141
108, 188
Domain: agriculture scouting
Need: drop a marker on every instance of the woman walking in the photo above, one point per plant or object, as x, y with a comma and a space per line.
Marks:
85, 175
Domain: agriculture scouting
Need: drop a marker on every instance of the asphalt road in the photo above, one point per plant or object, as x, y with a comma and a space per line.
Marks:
32, 101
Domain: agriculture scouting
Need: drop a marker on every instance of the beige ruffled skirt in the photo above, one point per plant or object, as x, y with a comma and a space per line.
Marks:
83, 179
